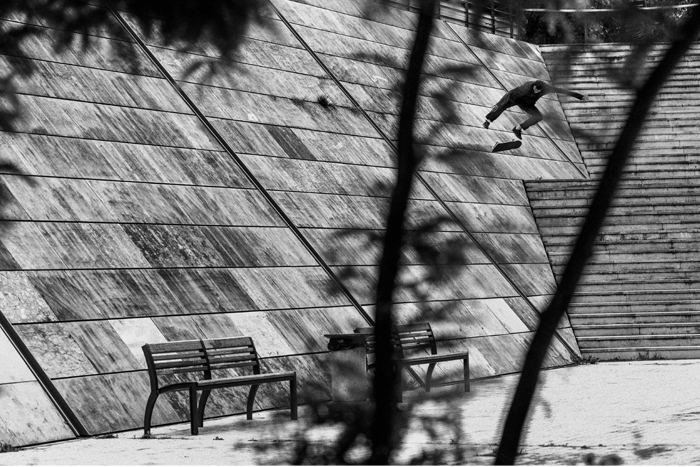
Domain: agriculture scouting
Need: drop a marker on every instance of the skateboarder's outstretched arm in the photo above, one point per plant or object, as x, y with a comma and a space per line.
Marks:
548, 89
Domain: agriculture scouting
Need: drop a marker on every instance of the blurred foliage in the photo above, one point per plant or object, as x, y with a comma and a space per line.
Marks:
186, 25
620, 21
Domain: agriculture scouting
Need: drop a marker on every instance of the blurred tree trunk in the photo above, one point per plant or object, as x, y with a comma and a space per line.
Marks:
386, 380
583, 249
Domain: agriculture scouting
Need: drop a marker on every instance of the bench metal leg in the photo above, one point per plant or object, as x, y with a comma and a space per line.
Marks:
202, 404
194, 419
467, 385
149, 413
293, 397
399, 382
429, 376
251, 401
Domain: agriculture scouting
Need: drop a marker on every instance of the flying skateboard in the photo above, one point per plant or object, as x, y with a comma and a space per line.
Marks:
505, 146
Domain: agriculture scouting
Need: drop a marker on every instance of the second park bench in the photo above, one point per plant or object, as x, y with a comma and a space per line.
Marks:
409, 338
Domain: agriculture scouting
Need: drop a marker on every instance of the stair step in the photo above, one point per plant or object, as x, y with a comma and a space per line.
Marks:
643, 353
551, 227
598, 84
649, 303
604, 147
575, 196
668, 340
656, 146
657, 250
637, 329
653, 269
659, 181
595, 172
618, 283
635, 296
651, 238
589, 319
579, 205
639, 281
615, 111
667, 122
621, 287
618, 222
641, 167
630, 215
580, 198
561, 258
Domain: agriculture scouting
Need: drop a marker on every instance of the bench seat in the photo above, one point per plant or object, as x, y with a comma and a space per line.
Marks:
245, 380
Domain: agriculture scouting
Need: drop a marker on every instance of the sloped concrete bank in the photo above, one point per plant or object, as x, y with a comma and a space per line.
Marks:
169, 207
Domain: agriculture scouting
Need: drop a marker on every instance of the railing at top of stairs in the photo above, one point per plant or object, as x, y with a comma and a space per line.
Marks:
491, 16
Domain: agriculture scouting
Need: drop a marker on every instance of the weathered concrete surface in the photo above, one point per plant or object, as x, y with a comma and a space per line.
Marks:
643, 412
145, 227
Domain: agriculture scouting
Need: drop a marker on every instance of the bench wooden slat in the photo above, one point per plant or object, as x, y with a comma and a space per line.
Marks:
415, 337
229, 342
230, 348
180, 356
176, 346
172, 371
421, 327
226, 366
413, 340
247, 379
247, 353
435, 358
192, 364
225, 360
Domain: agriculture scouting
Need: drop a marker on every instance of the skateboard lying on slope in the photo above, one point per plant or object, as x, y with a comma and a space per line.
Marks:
515, 144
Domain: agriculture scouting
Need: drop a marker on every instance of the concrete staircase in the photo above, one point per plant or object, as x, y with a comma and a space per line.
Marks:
639, 297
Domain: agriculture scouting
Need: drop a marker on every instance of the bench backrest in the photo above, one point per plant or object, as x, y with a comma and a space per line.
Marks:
200, 356
232, 352
406, 337
413, 337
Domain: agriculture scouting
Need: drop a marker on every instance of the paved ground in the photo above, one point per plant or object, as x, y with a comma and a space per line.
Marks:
642, 412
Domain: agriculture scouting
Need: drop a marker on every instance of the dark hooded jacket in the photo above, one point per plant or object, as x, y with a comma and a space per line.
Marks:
524, 95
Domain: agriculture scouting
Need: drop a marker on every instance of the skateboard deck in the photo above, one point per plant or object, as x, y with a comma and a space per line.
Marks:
507, 145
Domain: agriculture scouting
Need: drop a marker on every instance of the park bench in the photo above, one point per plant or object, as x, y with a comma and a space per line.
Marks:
200, 366
410, 340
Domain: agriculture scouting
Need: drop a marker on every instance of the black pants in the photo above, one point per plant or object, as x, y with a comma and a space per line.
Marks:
507, 102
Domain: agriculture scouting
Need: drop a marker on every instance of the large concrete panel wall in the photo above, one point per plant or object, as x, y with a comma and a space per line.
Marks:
139, 223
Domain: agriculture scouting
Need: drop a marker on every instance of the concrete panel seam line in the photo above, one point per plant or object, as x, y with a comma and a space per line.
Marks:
205, 121
418, 175
42, 378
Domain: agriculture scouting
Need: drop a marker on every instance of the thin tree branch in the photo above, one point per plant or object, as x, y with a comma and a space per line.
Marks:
385, 429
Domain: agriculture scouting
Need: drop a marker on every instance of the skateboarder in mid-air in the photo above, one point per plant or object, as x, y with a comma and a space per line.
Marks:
525, 96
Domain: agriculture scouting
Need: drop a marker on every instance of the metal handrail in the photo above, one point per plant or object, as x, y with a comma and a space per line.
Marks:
607, 10
497, 18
